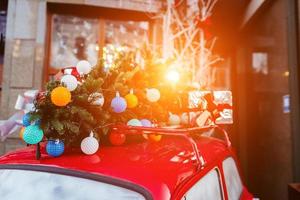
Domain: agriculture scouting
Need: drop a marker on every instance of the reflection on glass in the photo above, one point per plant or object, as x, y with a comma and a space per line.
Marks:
48, 186
121, 36
73, 39
126, 33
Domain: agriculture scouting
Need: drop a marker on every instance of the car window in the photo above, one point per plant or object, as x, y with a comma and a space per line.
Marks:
232, 179
207, 188
33, 185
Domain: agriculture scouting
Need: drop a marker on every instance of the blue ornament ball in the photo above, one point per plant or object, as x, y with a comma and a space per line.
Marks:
55, 148
146, 123
26, 120
33, 134
118, 104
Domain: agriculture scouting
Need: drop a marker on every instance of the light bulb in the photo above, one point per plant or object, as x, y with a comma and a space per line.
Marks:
173, 76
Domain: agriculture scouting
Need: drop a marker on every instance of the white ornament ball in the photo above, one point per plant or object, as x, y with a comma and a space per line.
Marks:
96, 99
89, 145
184, 118
174, 119
83, 67
69, 81
153, 94
134, 122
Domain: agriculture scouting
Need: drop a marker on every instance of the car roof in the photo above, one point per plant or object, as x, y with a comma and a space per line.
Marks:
159, 167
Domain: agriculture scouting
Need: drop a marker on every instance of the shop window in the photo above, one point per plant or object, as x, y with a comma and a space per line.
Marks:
135, 32
121, 36
76, 37
73, 39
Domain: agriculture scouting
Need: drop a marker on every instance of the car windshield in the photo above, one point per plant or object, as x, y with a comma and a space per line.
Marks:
34, 185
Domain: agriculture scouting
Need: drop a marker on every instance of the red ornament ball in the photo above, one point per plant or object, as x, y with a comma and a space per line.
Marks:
116, 138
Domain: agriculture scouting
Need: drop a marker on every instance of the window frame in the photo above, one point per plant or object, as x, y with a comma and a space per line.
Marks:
80, 174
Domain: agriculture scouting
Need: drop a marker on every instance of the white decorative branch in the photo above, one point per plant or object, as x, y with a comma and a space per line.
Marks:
194, 51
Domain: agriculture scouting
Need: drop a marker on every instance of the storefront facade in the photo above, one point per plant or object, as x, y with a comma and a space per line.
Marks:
43, 36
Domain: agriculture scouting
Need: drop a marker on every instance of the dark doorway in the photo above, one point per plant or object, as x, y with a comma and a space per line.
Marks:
3, 14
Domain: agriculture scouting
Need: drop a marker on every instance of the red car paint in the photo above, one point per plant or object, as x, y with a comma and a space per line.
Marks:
167, 169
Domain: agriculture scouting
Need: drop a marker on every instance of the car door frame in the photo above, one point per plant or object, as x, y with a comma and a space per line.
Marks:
186, 185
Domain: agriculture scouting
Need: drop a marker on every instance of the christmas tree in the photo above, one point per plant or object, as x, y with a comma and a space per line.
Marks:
144, 90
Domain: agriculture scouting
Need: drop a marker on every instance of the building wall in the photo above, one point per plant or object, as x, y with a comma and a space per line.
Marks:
263, 124
24, 54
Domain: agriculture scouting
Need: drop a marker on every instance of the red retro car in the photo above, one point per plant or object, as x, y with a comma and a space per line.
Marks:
187, 163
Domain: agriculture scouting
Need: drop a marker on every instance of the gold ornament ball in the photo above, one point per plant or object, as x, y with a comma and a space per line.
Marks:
132, 100
154, 137
60, 96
